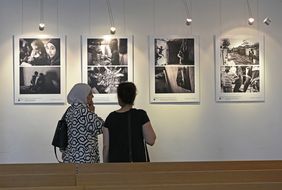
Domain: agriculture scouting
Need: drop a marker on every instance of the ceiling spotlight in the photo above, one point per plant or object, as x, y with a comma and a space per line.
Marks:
267, 21
41, 26
113, 30
251, 21
188, 21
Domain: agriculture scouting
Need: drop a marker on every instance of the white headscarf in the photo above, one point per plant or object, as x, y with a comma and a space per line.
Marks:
79, 93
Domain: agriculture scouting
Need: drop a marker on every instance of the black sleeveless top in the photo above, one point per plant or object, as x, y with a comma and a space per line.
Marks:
117, 124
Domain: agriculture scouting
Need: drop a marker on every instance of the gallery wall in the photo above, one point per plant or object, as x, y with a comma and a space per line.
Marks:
207, 130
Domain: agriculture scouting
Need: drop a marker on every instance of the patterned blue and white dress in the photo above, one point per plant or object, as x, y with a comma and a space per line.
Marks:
83, 130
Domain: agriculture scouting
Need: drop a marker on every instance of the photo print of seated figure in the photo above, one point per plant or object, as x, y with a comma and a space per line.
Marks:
39, 52
34, 53
40, 80
107, 51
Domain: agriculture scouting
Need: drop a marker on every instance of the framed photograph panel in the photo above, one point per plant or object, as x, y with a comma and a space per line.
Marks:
39, 69
239, 68
174, 69
106, 62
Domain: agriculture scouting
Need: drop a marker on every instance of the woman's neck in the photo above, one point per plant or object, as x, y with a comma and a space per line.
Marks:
125, 108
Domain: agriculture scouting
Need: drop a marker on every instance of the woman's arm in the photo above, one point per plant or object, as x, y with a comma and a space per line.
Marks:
105, 144
149, 133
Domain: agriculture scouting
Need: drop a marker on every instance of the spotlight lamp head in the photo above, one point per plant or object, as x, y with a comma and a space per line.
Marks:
112, 30
267, 21
188, 21
41, 26
251, 21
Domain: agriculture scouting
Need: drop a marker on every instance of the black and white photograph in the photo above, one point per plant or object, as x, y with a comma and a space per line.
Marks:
175, 51
174, 79
39, 69
239, 52
240, 79
107, 51
39, 52
40, 80
106, 62
174, 69
239, 68
104, 80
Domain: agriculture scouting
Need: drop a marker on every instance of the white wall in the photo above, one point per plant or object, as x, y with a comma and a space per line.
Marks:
186, 132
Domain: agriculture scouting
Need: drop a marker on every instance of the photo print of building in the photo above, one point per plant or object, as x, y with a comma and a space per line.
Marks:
239, 68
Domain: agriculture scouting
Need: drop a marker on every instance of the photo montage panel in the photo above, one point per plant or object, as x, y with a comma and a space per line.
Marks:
239, 68
39, 69
174, 69
106, 63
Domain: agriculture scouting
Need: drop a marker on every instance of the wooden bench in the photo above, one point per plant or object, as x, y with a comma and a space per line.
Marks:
182, 175
255, 186
44, 188
221, 175
34, 175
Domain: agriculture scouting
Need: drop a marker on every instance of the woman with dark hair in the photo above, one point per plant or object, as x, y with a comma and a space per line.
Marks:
53, 51
127, 130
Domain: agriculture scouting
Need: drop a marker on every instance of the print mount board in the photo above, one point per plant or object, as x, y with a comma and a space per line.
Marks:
174, 69
39, 69
106, 62
239, 68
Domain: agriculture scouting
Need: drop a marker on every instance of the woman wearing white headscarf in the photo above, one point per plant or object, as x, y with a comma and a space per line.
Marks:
84, 126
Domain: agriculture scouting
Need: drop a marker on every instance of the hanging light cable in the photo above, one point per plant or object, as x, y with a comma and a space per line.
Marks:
113, 28
22, 16
41, 24
251, 19
188, 19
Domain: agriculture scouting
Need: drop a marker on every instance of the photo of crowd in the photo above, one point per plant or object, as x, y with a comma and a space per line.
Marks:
240, 79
